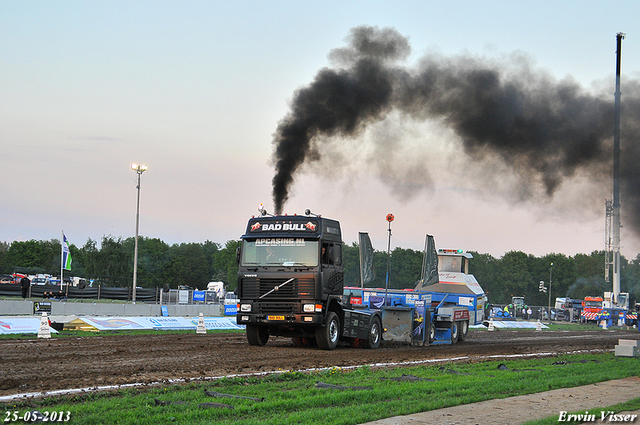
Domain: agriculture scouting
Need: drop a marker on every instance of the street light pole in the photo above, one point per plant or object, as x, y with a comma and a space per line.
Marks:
550, 272
138, 169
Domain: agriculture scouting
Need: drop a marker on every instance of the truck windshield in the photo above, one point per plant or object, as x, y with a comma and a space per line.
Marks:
280, 251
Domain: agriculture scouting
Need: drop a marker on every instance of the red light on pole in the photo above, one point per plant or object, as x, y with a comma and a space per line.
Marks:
390, 218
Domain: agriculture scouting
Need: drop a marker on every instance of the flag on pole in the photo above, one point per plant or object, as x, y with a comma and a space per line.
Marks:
367, 272
66, 255
430, 265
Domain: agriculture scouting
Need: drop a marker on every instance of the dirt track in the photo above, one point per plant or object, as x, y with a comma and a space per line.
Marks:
36, 365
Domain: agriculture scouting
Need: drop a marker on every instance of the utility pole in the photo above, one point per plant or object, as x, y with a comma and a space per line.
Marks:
139, 169
616, 176
550, 278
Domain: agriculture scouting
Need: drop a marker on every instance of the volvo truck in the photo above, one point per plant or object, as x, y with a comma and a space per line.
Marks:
290, 283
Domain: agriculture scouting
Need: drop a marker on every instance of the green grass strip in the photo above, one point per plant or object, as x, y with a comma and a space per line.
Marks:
294, 398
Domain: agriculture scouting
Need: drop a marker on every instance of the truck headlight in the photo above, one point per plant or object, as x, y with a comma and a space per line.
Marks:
310, 308
245, 308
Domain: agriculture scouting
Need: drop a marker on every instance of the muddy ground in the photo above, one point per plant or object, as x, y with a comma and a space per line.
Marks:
36, 365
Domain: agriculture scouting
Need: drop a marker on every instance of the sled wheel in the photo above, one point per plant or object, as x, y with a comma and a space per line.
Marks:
464, 329
454, 332
432, 332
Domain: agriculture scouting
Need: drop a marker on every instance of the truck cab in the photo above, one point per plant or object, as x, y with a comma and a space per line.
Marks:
610, 301
291, 279
591, 308
592, 304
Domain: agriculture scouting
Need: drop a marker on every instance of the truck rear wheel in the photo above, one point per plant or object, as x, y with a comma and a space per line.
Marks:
327, 336
257, 335
375, 334
464, 329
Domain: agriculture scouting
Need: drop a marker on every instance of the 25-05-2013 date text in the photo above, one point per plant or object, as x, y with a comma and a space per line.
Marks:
36, 416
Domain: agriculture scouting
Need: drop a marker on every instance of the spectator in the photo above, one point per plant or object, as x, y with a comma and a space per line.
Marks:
25, 284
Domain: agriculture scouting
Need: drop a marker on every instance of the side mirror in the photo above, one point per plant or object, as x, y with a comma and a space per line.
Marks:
238, 255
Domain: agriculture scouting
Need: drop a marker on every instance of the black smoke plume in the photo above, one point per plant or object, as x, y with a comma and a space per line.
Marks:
544, 130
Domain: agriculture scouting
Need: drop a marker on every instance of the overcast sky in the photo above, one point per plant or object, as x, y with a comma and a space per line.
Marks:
196, 90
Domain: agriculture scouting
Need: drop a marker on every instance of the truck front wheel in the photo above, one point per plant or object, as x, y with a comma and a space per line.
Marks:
375, 334
257, 335
327, 336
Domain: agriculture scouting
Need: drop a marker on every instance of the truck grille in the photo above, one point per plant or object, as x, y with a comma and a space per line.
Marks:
300, 288
276, 308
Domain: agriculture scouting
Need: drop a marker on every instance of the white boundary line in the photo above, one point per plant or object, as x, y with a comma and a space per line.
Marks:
13, 397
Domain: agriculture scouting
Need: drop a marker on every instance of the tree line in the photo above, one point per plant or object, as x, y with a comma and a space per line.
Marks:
111, 262
195, 264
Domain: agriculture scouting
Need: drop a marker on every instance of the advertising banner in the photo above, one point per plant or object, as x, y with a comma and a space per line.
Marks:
183, 297
158, 323
41, 306
19, 325
11, 325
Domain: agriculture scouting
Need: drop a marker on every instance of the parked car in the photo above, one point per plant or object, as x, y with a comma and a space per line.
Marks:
231, 298
40, 280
